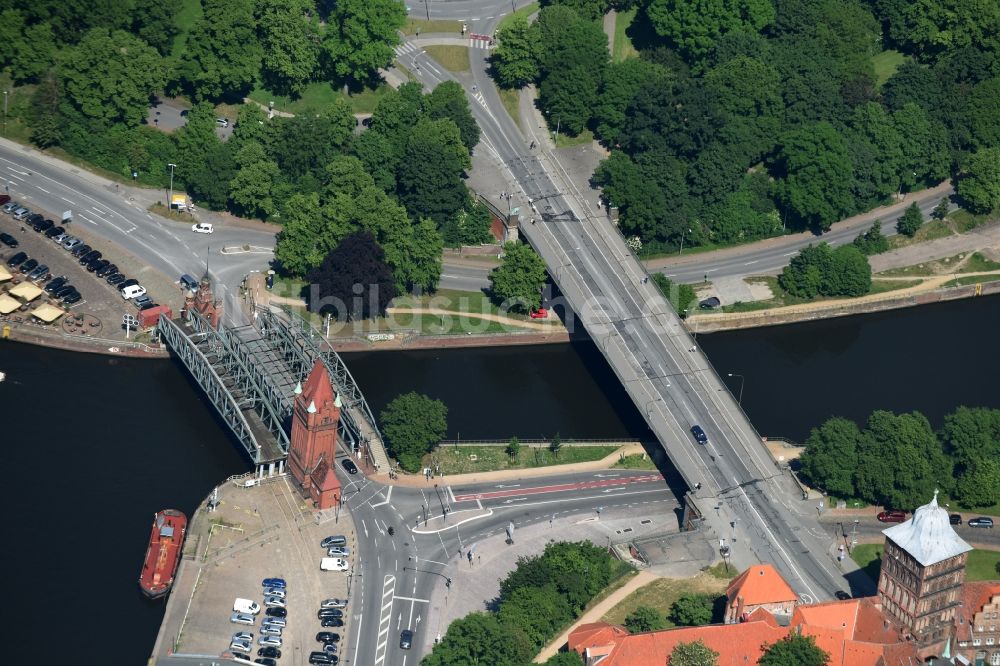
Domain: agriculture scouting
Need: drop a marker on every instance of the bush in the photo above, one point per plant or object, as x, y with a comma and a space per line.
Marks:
820, 271
911, 221
872, 241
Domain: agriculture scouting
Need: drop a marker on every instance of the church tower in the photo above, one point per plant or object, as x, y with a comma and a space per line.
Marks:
923, 570
313, 447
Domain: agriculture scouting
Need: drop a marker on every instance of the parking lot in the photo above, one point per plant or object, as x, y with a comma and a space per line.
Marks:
99, 309
266, 531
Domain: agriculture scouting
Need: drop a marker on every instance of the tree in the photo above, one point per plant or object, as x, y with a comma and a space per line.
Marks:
34, 52
621, 82
252, 189
872, 241
360, 38
680, 296
971, 438
480, 638
353, 282
109, 76
941, 210
933, 29
911, 221
979, 181
154, 22
513, 448
795, 650
692, 610
195, 140
413, 425
431, 173
222, 54
289, 35
307, 143
692, 654
517, 282
848, 273
816, 168
979, 484
694, 28
514, 61
831, 456
46, 121
208, 182
555, 444
420, 269
469, 226
643, 619
803, 276
448, 100
538, 612
900, 461
569, 658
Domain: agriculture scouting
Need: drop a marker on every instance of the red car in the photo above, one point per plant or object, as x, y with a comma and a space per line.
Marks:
540, 313
891, 516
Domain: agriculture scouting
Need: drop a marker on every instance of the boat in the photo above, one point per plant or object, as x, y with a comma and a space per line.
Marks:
163, 554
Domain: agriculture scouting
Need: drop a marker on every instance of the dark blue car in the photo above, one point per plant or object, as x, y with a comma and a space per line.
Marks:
274, 582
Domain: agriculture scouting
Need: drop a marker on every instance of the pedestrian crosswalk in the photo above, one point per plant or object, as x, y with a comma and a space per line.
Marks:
406, 48
481, 42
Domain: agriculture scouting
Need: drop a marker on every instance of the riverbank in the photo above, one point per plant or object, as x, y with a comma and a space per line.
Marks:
46, 337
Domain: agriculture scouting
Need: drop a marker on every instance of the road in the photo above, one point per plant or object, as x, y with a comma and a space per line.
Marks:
118, 214
431, 525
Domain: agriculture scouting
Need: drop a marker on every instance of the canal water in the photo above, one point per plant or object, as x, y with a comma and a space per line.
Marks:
96, 445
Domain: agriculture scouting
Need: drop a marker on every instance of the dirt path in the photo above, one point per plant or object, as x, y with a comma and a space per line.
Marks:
552, 324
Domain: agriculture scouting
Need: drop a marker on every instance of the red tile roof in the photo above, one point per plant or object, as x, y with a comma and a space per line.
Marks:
324, 478
974, 597
317, 388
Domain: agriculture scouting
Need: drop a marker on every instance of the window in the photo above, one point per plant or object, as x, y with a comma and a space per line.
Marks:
995, 659
976, 641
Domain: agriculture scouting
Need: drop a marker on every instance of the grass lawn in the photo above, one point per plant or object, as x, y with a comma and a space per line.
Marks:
977, 263
886, 63
566, 141
510, 100
963, 220
458, 459
635, 461
415, 26
971, 279
981, 566
320, 95
289, 287
663, 592
189, 13
452, 58
929, 231
926, 269
882, 286
622, 48
525, 11
455, 301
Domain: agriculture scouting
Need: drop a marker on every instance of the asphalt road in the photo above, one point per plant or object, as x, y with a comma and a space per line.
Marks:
397, 573
119, 215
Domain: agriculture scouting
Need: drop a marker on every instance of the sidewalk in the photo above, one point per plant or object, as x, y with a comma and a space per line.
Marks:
596, 612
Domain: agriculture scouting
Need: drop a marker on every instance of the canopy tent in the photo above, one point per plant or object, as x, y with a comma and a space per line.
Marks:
8, 304
47, 313
4, 274
26, 291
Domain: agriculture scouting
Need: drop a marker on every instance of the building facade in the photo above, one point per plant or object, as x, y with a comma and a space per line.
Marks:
313, 445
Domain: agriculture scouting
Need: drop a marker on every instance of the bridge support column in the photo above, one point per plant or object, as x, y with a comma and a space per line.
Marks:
281, 467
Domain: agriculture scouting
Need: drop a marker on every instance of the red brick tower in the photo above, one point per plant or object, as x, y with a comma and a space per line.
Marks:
314, 438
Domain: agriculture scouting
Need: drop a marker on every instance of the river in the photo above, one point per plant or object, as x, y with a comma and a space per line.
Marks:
98, 444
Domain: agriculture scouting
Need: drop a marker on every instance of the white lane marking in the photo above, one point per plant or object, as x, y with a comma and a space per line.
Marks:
385, 617
42, 189
387, 496
411, 599
69, 201
87, 219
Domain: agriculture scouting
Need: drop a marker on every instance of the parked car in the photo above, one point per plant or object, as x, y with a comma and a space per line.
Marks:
981, 521
329, 612
132, 291
329, 648
405, 639
10, 207
97, 265
72, 243
241, 618
334, 603
202, 228
333, 564
56, 284
273, 653
29, 265
81, 250
22, 213
338, 551
349, 465
148, 305
699, 434
34, 219
109, 269
269, 641
71, 298
115, 279
843, 596
9, 240
54, 231
328, 637
274, 592
274, 611
241, 646
243, 636
891, 516
321, 658
222, 122
142, 302
65, 291
274, 601
44, 225
335, 540
265, 661
89, 257
538, 313
17, 259
40, 271
274, 582
275, 622
955, 519
4, 199
331, 622
270, 631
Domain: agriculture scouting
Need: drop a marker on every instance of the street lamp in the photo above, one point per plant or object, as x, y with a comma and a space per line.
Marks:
650, 402
740, 399
5, 112
682, 242
170, 197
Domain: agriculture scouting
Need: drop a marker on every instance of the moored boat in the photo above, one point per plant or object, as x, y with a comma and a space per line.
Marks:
163, 554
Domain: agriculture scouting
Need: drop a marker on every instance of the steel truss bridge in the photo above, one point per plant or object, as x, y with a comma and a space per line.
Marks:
249, 373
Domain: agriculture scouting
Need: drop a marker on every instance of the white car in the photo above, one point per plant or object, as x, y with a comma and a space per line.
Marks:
244, 636
270, 630
333, 564
241, 618
241, 646
202, 228
274, 592
338, 551
274, 601
274, 622
334, 603
269, 641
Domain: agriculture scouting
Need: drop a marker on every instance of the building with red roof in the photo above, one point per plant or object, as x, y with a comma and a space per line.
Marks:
760, 586
313, 445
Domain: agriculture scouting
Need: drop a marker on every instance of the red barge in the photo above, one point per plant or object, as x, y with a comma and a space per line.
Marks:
163, 554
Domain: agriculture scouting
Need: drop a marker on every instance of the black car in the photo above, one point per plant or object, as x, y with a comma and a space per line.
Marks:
266, 661
405, 639
29, 265
70, 299
955, 519
97, 265
329, 612
44, 226
331, 622
349, 465
273, 611
127, 283
699, 434
89, 257
34, 220
65, 290
54, 231
322, 658
270, 652
56, 284
328, 637
17, 260
8, 240
81, 250
982, 521
843, 596
115, 278
110, 269
147, 306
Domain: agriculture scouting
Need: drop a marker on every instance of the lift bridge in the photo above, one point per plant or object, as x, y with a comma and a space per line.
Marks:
250, 374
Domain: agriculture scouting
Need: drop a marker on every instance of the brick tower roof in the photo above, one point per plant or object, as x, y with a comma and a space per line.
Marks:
928, 536
317, 389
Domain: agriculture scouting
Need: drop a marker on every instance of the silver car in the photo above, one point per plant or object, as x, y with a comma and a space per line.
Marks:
241, 646
72, 242
274, 622
274, 592
334, 603
338, 551
10, 207
274, 601
269, 641
22, 213
269, 630
241, 618
245, 636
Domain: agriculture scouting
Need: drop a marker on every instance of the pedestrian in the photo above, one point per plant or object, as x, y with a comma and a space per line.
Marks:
480, 558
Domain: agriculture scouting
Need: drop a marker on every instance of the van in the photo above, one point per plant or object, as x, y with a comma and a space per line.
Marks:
188, 282
132, 291
246, 606
332, 564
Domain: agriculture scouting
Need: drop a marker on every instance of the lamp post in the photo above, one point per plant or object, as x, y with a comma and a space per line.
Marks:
682, 242
650, 402
170, 197
5, 112
740, 399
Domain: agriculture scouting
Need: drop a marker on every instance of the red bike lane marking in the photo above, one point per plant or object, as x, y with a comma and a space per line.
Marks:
558, 488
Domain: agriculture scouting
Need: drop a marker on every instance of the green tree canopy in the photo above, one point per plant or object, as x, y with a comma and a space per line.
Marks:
795, 650
694, 28
518, 280
816, 168
222, 54
514, 61
251, 191
448, 100
872, 241
692, 654
481, 638
413, 425
680, 296
431, 173
290, 37
110, 76
910, 221
360, 38
979, 182
643, 619
155, 22
622, 81
831, 456
692, 610
538, 612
